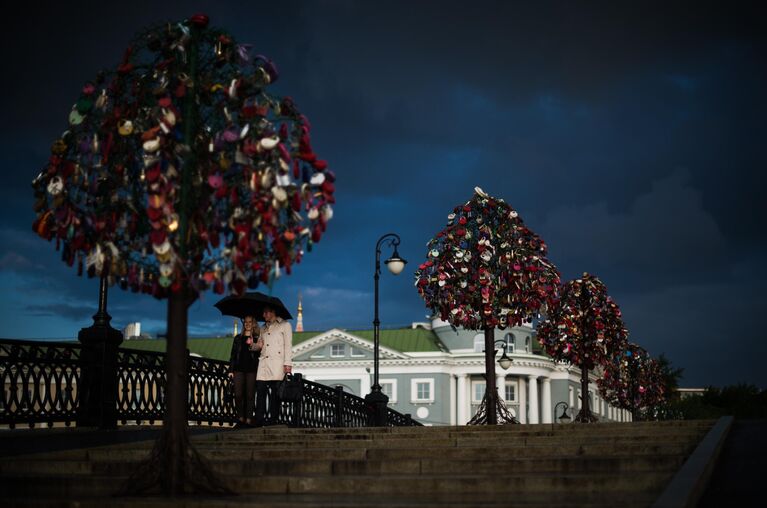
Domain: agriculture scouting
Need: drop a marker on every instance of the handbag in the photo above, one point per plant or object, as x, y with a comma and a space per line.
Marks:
291, 388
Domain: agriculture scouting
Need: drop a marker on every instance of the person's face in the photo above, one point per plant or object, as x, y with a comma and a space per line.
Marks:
269, 315
248, 322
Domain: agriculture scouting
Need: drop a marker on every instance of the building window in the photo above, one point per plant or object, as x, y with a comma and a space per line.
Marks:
511, 391
337, 350
509, 339
389, 388
479, 342
477, 391
357, 353
527, 344
422, 390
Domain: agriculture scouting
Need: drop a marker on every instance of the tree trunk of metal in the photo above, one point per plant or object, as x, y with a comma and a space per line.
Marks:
174, 467
585, 415
491, 393
175, 425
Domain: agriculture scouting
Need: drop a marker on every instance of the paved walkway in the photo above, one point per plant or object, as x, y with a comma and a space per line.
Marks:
738, 479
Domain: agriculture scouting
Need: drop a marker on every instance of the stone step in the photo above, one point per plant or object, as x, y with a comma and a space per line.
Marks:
516, 430
505, 499
428, 487
227, 466
239, 438
387, 453
424, 441
432, 442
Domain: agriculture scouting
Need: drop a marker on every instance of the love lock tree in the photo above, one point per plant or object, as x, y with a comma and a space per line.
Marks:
487, 270
584, 327
632, 380
180, 173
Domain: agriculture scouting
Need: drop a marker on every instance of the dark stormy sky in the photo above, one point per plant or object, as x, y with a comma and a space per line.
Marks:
629, 135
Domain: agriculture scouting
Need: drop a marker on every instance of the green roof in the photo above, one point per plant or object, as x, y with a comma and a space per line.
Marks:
403, 339
214, 348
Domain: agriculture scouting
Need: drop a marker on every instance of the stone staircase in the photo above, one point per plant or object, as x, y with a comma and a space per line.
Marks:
594, 465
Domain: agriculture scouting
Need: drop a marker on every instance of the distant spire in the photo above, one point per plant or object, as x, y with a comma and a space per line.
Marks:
235, 328
300, 318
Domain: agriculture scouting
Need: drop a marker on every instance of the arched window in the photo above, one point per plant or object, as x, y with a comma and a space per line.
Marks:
510, 341
527, 344
479, 342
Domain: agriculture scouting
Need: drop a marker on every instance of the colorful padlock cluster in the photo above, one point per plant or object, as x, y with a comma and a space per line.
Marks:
178, 168
486, 269
584, 327
632, 379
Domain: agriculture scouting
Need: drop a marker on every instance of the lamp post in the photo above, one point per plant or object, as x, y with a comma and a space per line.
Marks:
98, 377
564, 416
504, 361
376, 400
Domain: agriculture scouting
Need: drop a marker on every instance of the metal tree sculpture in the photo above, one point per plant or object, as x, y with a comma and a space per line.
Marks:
584, 328
632, 381
179, 172
487, 270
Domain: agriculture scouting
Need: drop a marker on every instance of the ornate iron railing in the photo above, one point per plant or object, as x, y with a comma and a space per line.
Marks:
39, 385
209, 389
140, 386
39, 382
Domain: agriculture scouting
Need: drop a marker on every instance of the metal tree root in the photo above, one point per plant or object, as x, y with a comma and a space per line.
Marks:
585, 416
503, 414
174, 468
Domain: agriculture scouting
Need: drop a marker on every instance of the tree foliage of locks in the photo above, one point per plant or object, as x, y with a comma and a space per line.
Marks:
179, 166
632, 380
486, 269
584, 327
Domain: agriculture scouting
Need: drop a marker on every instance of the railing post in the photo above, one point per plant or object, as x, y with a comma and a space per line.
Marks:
98, 369
339, 406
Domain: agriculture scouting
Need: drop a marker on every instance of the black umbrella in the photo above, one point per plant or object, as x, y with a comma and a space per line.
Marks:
251, 304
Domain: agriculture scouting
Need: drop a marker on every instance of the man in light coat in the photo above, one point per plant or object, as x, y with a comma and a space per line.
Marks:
276, 360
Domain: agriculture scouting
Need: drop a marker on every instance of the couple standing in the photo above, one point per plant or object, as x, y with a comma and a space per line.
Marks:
259, 360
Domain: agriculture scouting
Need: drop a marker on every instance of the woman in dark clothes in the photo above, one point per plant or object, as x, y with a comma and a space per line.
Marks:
243, 364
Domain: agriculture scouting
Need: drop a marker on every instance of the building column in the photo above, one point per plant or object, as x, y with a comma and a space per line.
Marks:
364, 387
522, 416
500, 386
453, 417
546, 400
462, 402
533, 386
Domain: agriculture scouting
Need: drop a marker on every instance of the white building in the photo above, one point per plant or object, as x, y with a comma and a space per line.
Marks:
436, 373
132, 331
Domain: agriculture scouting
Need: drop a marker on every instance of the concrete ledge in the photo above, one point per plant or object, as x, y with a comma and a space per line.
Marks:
690, 482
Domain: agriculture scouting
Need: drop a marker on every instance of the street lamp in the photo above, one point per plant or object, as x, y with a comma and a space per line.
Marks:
376, 400
504, 361
564, 417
